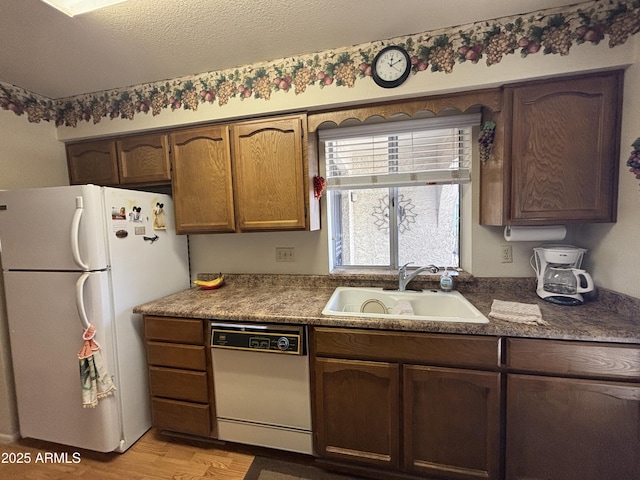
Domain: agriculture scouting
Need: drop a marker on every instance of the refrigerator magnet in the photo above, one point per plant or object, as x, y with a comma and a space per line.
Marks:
158, 217
119, 221
118, 213
136, 214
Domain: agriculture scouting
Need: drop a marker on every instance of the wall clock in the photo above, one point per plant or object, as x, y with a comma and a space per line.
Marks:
391, 66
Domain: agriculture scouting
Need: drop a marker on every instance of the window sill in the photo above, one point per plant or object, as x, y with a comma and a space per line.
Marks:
388, 274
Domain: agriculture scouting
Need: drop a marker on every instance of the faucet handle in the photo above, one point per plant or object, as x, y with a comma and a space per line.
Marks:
402, 270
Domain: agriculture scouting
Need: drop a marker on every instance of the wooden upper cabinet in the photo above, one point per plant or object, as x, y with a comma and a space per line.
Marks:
202, 180
144, 159
566, 150
270, 184
560, 159
93, 162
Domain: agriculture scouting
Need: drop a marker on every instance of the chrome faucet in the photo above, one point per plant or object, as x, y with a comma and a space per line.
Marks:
404, 278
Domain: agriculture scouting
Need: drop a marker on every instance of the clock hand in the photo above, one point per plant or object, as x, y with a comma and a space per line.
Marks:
393, 64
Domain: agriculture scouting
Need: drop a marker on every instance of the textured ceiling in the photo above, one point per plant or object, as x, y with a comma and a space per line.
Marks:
142, 41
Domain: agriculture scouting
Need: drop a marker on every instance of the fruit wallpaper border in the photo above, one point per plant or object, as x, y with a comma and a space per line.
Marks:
547, 32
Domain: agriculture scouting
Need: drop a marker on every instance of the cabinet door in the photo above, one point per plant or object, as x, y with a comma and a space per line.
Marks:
144, 159
357, 411
572, 429
202, 180
565, 150
451, 422
269, 174
93, 162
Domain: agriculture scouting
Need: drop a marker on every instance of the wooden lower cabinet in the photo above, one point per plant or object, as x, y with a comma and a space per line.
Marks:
387, 412
183, 417
357, 405
451, 422
180, 382
568, 428
573, 410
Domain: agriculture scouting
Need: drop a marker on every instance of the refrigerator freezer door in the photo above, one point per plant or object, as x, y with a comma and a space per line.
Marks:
36, 228
46, 334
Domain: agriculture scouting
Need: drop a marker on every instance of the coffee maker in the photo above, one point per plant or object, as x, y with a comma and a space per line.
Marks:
560, 279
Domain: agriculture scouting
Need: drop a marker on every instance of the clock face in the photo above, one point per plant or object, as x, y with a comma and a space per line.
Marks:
391, 67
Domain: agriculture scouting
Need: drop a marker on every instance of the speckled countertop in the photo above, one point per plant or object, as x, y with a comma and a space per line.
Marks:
299, 299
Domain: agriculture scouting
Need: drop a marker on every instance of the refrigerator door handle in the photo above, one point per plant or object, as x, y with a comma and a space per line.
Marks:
80, 300
75, 234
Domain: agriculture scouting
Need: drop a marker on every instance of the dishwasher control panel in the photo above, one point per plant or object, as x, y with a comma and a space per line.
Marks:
259, 338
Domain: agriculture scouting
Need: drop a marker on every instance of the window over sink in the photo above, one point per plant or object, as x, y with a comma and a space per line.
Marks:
394, 191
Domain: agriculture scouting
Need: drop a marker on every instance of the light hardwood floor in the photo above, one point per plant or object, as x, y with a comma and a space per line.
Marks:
154, 457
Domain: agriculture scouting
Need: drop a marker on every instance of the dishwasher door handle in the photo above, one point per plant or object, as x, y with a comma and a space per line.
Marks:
238, 326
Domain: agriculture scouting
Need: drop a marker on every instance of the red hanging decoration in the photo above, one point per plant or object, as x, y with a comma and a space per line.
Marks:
318, 186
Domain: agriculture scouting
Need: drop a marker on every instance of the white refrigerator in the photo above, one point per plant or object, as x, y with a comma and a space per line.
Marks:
73, 256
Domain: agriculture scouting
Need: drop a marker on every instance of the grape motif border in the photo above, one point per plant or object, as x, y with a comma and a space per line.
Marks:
552, 31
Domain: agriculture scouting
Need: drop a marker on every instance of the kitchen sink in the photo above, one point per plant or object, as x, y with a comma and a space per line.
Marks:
431, 305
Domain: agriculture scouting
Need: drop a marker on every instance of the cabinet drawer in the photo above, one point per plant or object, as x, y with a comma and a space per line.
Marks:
179, 330
179, 356
181, 416
574, 358
179, 384
433, 349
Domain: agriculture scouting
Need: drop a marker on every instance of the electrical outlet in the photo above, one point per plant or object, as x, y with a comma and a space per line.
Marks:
506, 254
285, 254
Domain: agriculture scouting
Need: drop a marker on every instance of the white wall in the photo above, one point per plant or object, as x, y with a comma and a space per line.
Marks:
30, 156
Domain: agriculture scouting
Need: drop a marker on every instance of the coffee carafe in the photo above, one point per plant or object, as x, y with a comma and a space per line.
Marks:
560, 279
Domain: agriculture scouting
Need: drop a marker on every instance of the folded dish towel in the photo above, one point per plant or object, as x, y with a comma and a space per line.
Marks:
517, 312
94, 377
402, 307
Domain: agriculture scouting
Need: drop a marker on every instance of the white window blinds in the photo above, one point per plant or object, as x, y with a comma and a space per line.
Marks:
416, 152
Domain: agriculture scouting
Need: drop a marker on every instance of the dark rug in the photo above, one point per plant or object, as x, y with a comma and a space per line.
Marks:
264, 468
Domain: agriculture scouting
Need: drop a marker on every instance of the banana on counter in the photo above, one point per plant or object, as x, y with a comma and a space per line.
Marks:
210, 284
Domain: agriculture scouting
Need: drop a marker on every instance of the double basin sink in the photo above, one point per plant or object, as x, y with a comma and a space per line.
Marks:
430, 305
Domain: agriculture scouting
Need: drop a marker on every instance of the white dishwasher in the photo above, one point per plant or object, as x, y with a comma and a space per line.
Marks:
261, 382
